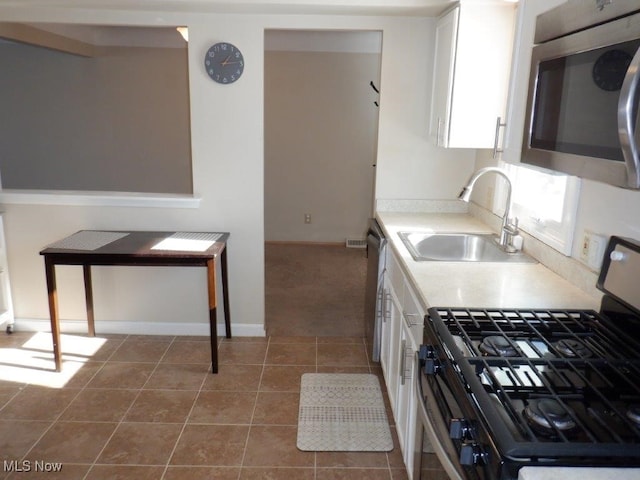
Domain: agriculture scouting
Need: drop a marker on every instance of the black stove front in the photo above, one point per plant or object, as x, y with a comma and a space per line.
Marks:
534, 387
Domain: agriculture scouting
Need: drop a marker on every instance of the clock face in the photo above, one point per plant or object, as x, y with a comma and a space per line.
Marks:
224, 63
610, 69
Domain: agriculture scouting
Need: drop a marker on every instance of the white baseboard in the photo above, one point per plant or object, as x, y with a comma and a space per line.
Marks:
139, 328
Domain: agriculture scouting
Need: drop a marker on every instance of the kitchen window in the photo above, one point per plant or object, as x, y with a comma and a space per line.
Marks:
544, 203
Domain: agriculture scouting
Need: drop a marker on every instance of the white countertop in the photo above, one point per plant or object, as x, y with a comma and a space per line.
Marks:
468, 284
477, 284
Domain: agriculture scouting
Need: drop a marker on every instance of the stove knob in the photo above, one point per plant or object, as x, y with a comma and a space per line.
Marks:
459, 429
426, 351
432, 366
617, 256
472, 454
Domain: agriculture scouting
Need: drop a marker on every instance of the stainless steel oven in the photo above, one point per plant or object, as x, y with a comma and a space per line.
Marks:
502, 389
584, 89
433, 430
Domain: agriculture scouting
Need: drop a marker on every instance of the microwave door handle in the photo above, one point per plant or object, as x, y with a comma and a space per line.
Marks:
630, 138
430, 425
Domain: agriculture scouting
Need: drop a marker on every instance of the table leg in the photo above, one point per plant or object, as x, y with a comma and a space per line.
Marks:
225, 292
213, 328
50, 273
88, 296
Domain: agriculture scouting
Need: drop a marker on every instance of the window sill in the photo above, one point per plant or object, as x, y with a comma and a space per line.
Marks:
98, 199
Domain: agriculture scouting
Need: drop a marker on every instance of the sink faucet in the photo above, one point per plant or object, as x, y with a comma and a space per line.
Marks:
508, 230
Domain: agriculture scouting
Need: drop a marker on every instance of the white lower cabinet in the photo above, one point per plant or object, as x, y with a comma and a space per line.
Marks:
401, 335
389, 356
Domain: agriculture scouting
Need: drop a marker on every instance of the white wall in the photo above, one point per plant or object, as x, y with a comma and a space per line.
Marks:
321, 127
410, 166
227, 157
606, 210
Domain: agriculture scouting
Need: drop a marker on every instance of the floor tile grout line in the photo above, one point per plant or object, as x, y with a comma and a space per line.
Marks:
139, 392
253, 412
18, 391
186, 422
80, 390
84, 386
53, 423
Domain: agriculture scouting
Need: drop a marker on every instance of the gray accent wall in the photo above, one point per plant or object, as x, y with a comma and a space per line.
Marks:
115, 122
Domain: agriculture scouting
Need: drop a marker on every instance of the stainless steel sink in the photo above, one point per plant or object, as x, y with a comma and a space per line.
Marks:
459, 247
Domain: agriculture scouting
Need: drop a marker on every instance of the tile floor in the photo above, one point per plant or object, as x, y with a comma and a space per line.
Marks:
146, 407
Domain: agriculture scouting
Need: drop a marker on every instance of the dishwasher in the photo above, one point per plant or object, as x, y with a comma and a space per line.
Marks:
373, 304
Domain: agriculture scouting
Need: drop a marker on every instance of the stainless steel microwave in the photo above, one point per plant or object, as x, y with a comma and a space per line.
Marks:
584, 89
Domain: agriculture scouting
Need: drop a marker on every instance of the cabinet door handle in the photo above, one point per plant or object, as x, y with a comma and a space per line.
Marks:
409, 316
380, 304
405, 372
403, 361
386, 311
496, 150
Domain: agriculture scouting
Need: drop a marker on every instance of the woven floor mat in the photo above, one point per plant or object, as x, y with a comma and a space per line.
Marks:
342, 412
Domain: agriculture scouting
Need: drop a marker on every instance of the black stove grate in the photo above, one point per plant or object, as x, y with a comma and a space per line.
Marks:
576, 358
541, 330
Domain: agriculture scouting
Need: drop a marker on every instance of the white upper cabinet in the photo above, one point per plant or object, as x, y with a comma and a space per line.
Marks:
528, 10
471, 74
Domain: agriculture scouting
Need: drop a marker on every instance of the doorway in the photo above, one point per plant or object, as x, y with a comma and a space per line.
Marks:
321, 123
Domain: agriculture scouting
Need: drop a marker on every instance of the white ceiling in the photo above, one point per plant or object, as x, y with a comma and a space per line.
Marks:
276, 40
356, 7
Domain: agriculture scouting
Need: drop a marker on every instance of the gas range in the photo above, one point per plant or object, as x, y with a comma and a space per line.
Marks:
535, 387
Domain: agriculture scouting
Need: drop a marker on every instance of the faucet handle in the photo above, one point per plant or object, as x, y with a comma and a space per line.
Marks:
512, 226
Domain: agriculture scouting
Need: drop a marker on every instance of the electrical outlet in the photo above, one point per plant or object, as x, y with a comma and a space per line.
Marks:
307, 218
592, 249
584, 246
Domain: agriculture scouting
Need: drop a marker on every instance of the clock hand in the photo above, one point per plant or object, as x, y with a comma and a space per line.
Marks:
225, 61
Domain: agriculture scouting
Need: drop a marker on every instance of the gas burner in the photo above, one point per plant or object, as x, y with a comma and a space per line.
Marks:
546, 416
497, 346
633, 414
571, 348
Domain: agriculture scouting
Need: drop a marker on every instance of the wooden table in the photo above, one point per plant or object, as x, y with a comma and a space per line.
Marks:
142, 248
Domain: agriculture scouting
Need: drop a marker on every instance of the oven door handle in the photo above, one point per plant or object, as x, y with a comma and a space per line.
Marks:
630, 138
433, 427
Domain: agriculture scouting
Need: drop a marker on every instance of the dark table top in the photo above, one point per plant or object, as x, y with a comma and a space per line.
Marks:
128, 247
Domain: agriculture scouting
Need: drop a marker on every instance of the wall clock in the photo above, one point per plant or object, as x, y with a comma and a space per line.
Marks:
610, 69
224, 63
